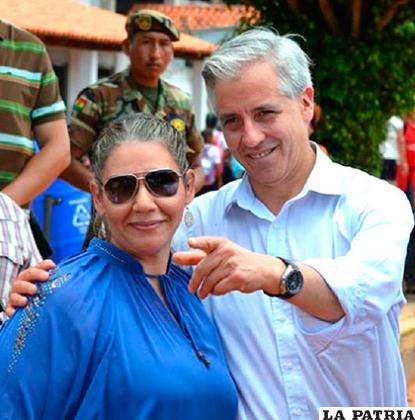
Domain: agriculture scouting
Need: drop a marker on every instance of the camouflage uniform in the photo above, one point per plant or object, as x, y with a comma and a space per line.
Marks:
117, 96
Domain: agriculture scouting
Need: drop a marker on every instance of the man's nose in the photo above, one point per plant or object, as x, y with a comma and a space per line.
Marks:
156, 50
252, 133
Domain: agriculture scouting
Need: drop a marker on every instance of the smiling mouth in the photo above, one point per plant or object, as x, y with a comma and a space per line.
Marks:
261, 154
146, 225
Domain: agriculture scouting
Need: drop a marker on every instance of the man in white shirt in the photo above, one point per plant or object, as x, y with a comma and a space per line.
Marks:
307, 254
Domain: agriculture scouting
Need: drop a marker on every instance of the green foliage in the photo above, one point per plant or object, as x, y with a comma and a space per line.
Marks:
360, 81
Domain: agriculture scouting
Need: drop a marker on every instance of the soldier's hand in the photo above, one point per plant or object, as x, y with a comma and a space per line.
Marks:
23, 286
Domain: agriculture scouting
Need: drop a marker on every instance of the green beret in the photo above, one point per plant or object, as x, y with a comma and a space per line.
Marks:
147, 20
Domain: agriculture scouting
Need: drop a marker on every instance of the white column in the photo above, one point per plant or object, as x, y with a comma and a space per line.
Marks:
82, 72
121, 62
199, 95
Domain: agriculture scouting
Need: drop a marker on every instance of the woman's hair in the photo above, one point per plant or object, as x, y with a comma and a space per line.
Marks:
291, 64
138, 128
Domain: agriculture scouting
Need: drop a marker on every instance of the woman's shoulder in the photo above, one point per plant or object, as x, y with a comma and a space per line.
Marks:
71, 285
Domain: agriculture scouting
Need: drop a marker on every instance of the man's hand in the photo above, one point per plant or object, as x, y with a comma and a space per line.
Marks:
23, 285
222, 267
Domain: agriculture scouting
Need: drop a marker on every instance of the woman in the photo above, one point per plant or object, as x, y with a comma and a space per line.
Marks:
114, 332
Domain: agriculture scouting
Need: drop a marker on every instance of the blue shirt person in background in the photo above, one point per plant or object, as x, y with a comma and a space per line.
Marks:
114, 332
304, 259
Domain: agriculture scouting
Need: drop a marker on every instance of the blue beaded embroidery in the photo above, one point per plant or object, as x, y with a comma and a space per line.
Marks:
30, 314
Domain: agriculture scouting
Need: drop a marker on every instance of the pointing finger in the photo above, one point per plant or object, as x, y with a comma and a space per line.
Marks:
188, 257
206, 243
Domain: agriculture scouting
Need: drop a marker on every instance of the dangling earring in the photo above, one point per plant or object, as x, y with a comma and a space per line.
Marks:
188, 217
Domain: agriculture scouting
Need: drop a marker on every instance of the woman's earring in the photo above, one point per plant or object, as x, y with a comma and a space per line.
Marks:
188, 217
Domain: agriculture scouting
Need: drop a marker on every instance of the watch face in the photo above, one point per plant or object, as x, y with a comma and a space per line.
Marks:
294, 281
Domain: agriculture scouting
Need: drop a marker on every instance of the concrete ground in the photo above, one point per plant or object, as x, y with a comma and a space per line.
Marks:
411, 394
408, 345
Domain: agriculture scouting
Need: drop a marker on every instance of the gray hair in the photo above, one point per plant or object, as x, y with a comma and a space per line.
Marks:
139, 128
291, 64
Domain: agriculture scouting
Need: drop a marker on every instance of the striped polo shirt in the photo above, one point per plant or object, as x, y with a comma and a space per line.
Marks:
29, 96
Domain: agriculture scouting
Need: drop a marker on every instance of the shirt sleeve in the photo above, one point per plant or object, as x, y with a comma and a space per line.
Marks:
44, 356
12, 261
49, 105
85, 119
18, 249
367, 279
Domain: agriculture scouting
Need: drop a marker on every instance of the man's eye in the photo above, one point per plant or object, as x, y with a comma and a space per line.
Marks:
267, 113
230, 121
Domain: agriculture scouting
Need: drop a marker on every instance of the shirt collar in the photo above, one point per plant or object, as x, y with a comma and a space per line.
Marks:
326, 178
244, 197
130, 90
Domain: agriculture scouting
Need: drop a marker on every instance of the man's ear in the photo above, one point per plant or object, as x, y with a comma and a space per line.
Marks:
307, 103
97, 197
189, 182
125, 45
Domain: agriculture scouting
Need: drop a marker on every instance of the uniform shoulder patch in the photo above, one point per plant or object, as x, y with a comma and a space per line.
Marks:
178, 124
79, 104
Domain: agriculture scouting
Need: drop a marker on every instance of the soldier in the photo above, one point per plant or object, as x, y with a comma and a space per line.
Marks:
139, 88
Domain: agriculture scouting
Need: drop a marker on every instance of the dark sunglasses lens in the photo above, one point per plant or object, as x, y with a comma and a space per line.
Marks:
163, 183
121, 188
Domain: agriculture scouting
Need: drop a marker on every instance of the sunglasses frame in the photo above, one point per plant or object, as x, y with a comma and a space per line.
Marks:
138, 177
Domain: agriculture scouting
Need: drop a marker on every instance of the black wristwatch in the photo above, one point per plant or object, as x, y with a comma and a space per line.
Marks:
292, 280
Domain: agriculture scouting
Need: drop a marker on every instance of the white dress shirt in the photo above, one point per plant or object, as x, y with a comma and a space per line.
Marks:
353, 229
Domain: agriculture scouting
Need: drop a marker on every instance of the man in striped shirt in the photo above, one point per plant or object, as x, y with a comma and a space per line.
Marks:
31, 109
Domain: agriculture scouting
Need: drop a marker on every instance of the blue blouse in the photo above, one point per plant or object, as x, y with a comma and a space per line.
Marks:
97, 342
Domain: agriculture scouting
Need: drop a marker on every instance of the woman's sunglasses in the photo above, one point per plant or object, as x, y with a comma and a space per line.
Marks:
160, 182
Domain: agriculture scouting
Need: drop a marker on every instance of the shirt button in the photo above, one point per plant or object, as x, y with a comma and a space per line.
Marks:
297, 412
288, 365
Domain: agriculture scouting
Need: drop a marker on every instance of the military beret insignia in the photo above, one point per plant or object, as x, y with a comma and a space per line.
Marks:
144, 22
